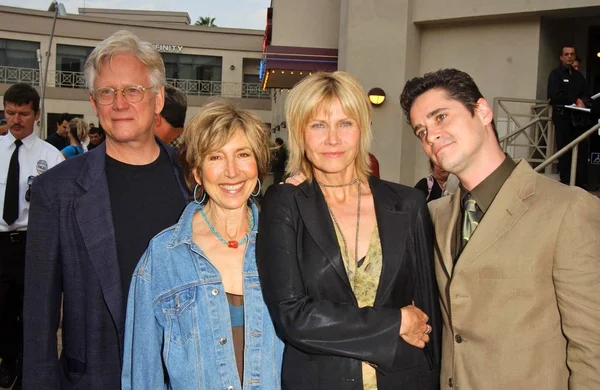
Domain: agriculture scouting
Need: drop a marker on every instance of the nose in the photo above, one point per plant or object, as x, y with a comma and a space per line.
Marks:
231, 169
120, 102
433, 134
332, 136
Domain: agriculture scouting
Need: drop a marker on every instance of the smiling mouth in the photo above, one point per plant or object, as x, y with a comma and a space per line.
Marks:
232, 188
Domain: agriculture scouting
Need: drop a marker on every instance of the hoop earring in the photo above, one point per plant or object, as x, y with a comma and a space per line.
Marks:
259, 188
195, 193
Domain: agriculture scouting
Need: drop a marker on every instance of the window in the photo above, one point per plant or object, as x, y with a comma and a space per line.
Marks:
70, 62
19, 54
71, 58
190, 67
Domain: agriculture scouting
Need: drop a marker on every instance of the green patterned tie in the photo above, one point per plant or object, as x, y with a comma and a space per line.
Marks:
470, 220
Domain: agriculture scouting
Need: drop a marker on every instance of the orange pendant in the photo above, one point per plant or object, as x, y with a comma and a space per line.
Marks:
232, 244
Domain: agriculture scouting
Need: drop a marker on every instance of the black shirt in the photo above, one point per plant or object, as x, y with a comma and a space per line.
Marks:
565, 86
57, 141
145, 199
436, 190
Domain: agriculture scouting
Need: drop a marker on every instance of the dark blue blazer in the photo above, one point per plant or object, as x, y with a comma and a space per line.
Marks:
72, 254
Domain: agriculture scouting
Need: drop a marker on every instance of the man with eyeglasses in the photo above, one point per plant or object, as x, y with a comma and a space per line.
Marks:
91, 221
23, 156
567, 86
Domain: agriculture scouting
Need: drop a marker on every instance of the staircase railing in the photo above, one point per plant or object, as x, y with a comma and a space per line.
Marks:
574, 151
532, 140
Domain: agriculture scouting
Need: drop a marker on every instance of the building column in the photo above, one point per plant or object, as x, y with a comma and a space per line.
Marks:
379, 44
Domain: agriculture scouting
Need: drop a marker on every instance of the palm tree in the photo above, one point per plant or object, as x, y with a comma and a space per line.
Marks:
205, 21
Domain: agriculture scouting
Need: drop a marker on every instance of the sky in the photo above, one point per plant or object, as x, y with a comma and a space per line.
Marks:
227, 13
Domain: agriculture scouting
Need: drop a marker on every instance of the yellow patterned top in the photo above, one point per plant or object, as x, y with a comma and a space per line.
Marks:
364, 286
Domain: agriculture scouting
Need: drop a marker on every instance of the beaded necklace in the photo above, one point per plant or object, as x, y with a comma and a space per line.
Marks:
231, 243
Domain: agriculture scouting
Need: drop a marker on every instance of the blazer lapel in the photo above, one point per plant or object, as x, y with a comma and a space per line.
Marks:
445, 220
317, 221
504, 212
392, 224
94, 217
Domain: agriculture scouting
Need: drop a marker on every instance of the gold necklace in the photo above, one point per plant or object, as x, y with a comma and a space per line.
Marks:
342, 234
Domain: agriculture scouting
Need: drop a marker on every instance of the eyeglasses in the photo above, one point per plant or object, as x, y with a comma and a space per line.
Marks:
132, 93
29, 183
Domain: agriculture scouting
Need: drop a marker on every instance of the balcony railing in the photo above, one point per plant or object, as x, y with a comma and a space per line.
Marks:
63, 79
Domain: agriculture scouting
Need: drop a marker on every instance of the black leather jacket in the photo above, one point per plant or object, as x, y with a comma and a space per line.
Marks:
308, 294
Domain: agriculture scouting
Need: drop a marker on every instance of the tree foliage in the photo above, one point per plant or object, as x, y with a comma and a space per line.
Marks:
206, 21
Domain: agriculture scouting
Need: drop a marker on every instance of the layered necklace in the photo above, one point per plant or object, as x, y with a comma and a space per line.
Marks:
337, 225
230, 243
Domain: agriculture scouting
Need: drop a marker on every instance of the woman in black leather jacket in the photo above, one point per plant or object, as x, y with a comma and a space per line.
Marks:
345, 259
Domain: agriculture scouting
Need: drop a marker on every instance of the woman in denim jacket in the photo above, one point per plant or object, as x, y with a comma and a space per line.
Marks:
196, 318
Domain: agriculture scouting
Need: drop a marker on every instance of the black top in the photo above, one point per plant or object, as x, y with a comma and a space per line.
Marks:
436, 190
565, 86
280, 157
57, 141
145, 199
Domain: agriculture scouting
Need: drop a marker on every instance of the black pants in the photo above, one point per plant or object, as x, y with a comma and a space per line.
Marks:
565, 133
12, 272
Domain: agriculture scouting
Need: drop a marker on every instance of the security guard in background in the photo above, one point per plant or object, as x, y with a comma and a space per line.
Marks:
22, 157
567, 86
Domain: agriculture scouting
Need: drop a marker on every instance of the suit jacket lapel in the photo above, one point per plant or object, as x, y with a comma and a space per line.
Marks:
94, 217
445, 220
504, 212
393, 233
317, 221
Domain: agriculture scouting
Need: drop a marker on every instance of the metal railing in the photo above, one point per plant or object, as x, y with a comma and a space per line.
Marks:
573, 146
535, 138
64, 79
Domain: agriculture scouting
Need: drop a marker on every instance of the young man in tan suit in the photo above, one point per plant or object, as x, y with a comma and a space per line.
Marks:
517, 254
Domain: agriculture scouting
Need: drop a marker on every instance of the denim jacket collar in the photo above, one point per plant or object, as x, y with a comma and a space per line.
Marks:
182, 234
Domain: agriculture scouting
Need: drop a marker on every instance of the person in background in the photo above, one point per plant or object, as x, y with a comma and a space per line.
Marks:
3, 127
23, 157
78, 132
374, 164
346, 259
60, 138
280, 157
434, 185
96, 137
566, 86
576, 63
169, 124
197, 283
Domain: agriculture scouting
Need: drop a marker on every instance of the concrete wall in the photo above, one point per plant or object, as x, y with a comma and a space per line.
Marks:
306, 23
379, 45
431, 11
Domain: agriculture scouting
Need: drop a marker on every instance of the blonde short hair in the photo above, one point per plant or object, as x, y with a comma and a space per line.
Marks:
317, 92
79, 128
124, 42
212, 127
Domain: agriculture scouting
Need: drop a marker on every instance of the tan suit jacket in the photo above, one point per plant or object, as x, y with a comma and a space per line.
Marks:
521, 307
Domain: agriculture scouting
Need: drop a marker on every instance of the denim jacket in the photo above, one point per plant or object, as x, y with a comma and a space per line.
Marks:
178, 318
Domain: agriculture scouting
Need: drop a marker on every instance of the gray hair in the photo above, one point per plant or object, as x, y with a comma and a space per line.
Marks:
124, 42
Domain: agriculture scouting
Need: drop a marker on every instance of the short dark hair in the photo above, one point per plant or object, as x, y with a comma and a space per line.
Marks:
562, 49
457, 84
96, 130
279, 141
22, 94
65, 116
175, 106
